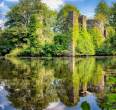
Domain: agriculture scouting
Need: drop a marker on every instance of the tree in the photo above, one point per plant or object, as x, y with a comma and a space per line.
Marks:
97, 37
20, 14
11, 38
101, 17
113, 16
102, 12
108, 47
85, 44
32, 35
28, 28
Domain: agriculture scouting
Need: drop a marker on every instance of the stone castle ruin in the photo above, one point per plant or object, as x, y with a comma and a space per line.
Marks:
72, 27
82, 22
92, 23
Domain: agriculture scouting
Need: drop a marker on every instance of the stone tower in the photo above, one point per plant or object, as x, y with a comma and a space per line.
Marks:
72, 21
82, 22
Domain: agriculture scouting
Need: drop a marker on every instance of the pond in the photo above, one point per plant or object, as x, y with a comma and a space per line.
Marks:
58, 84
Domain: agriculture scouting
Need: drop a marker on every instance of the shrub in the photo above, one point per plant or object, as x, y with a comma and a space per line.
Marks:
62, 40
97, 37
108, 47
84, 44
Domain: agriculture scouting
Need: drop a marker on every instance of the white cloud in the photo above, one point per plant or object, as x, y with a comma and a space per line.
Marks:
2, 4
54, 4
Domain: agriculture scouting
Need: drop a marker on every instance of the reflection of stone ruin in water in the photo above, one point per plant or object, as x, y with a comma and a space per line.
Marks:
71, 87
66, 90
36, 83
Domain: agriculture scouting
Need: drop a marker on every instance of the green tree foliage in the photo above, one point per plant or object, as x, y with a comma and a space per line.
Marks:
32, 41
61, 43
63, 23
85, 44
85, 106
25, 30
111, 31
108, 47
33, 29
57, 48
12, 38
102, 12
61, 40
100, 17
97, 37
112, 19
21, 13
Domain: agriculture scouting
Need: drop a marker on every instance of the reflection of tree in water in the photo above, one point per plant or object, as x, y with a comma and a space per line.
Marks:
63, 73
109, 102
78, 79
85, 106
29, 85
33, 84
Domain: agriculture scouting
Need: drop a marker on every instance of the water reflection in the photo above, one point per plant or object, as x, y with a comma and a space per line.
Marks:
58, 84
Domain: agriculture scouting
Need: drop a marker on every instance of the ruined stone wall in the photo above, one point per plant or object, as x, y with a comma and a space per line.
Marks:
91, 23
73, 31
74, 22
82, 22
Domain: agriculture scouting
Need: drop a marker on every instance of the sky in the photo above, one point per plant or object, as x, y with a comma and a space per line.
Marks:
86, 7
